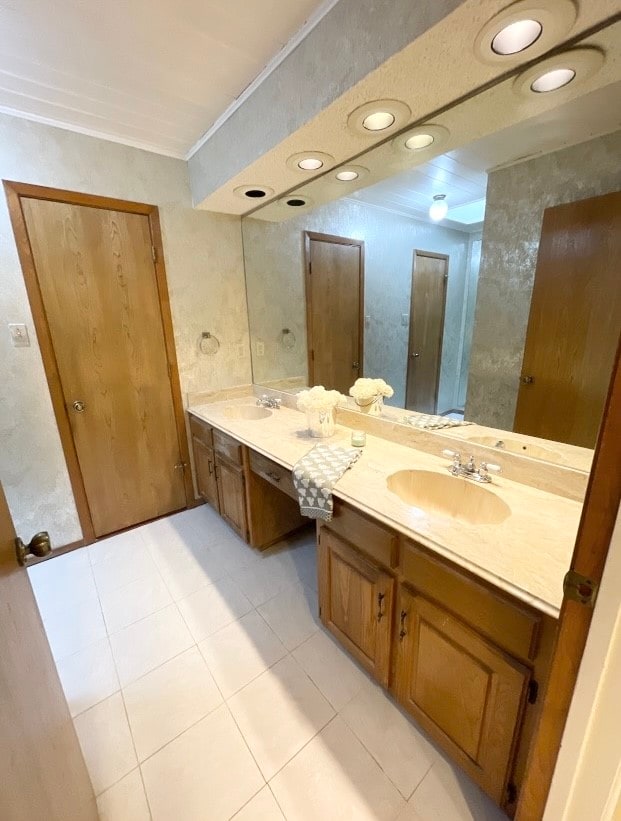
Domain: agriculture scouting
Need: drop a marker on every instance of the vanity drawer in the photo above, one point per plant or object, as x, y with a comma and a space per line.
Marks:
367, 535
202, 431
273, 473
507, 623
228, 447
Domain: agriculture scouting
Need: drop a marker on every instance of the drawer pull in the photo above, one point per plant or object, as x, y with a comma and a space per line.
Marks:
403, 631
273, 476
210, 467
380, 606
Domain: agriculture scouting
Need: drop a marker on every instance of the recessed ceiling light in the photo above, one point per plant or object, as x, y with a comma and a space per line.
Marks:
295, 201
253, 192
558, 72
347, 176
310, 164
379, 117
378, 121
349, 173
438, 208
419, 138
517, 37
419, 141
551, 80
309, 161
535, 26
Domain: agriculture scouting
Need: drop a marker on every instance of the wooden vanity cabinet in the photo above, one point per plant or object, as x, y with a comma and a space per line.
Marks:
356, 598
251, 492
462, 689
464, 658
204, 462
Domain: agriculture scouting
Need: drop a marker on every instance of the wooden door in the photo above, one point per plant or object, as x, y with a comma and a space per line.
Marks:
43, 771
95, 272
334, 307
574, 322
205, 466
232, 495
467, 693
427, 305
356, 603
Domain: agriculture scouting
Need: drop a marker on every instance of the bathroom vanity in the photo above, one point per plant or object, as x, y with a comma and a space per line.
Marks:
454, 611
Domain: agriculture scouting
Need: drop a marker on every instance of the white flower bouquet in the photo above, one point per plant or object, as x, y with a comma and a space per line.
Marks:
369, 394
319, 406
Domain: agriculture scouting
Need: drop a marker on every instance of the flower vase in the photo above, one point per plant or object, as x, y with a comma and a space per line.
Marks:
320, 423
373, 406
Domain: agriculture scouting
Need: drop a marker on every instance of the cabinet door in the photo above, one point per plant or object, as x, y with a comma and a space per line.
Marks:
204, 463
356, 602
232, 495
464, 691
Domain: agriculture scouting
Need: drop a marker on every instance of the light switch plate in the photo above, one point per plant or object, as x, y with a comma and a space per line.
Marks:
260, 348
405, 320
19, 335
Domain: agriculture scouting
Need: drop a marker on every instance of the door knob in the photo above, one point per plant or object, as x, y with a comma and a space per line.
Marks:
414, 355
355, 364
40, 545
79, 406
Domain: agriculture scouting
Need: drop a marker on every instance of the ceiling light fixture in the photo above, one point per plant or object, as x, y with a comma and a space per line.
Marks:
378, 121
310, 164
350, 173
552, 80
419, 139
379, 117
438, 208
295, 201
253, 192
535, 26
556, 73
306, 161
516, 37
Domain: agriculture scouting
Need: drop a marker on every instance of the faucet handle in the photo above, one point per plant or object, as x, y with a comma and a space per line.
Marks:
485, 468
456, 457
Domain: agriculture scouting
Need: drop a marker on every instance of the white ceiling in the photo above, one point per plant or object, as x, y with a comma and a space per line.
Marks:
151, 73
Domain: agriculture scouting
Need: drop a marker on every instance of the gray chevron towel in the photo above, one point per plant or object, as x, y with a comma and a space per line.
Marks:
316, 473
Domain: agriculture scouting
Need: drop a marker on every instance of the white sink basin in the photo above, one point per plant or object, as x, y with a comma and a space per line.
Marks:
449, 496
516, 446
249, 412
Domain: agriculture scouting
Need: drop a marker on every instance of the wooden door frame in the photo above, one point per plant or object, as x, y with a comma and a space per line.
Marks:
599, 514
313, 235
15, 192
419, 253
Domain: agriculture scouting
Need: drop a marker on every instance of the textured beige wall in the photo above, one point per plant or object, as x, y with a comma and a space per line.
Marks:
516, 199
204, 264
274, 258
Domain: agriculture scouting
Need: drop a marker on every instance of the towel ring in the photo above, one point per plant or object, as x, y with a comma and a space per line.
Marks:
287, 338
209, 344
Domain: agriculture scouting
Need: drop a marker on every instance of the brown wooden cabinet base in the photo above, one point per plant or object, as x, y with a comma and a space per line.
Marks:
463, 658
251, 493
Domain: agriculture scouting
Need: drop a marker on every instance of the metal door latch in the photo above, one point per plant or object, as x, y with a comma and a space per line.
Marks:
579, 588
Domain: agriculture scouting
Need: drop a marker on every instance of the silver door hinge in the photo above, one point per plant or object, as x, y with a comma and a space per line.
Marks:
580, 588
181, 465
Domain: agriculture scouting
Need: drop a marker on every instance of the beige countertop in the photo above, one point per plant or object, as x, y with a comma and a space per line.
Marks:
527, 555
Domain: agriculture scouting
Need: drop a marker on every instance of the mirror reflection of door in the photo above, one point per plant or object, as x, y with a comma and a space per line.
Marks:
574, 323
427, 306
334, 308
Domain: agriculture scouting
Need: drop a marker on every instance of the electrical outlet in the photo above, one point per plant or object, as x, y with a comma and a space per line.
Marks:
260, 348
240, 350
405, 320
367, 320
19, 335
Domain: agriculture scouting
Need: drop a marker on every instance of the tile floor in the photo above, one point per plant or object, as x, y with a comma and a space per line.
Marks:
203, 686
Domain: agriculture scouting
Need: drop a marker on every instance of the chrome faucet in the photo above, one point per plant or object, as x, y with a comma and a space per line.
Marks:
266, 401
470, 470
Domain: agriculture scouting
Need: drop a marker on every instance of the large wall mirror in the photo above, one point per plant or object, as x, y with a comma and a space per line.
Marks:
472, 262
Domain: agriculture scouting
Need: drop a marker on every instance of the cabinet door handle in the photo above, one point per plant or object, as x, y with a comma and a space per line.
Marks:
273, 476
216, 471
210, 466
403, 631
380, 606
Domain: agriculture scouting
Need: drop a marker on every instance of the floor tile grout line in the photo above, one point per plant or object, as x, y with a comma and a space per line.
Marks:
269, 786
303, 747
